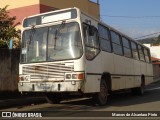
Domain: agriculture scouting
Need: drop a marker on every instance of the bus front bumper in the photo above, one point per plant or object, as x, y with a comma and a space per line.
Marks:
69, 86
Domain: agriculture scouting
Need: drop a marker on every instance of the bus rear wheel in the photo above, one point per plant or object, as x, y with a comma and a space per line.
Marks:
139, 90
142, 87
53, 98
101, 97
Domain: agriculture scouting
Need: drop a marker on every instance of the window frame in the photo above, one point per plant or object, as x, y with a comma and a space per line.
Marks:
148, 55
141, 52
127, 47
89, 45
104, 39
119, 44
134, 51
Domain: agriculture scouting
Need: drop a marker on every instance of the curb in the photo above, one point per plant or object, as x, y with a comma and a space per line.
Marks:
8, 103
156, 80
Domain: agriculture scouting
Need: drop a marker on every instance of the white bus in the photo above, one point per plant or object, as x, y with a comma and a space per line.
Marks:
67, 52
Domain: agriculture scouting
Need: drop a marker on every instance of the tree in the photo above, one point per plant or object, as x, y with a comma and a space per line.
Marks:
8, 29
157, 41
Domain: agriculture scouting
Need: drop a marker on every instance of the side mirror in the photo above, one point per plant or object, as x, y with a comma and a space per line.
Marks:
91, 30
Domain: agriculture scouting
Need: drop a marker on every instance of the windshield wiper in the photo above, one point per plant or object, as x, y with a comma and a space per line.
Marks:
57, 31
31, 36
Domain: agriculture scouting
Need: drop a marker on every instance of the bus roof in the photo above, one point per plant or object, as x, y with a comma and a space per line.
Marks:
53, 16
77, 9
113, 29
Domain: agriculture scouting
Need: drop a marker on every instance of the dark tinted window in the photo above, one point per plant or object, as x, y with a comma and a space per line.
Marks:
147, 55
125, 42
116, 43
105, 45
134, 50
104, 38
115, 38
141, 53
117, 49
126, 47
103, 32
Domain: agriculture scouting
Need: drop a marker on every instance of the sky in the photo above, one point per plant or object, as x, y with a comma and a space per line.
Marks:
135, 18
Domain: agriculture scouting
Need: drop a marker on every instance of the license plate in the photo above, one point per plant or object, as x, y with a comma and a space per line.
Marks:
45, 86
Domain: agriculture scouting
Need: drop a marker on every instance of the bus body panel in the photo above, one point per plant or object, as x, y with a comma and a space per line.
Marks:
93, 75
149, 77
119, 68
107, 62
129, 65
125, 72
49, 86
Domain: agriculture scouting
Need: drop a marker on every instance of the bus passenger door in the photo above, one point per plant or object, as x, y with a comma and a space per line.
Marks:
93, 59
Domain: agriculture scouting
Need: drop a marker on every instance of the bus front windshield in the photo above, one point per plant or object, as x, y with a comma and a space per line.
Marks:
53, 43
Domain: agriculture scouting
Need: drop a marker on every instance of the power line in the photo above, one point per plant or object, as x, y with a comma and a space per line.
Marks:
130, 16
147, 35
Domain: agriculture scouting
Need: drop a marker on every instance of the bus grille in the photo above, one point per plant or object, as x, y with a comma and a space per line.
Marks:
52, 71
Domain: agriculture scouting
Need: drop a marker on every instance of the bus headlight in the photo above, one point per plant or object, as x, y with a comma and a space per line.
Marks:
74, 76
25, 78
21, 78
68, 76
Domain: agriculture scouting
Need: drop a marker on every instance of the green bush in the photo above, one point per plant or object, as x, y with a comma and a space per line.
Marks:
3, 44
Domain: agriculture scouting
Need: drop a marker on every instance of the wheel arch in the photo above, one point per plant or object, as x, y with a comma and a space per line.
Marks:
143, 79
107, 77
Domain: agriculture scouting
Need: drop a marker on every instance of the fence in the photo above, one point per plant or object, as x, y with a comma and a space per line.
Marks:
9, 69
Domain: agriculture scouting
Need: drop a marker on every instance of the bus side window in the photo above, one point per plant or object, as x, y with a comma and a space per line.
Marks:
116, 43
134, 50
147, 56
91, 43
104, 38
141, 53
126, 47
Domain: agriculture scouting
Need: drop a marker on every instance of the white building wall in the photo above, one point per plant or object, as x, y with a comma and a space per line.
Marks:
155, 50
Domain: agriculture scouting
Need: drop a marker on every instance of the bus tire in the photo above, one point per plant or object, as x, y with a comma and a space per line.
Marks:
101, 97
140, 90
53, 98
142, 87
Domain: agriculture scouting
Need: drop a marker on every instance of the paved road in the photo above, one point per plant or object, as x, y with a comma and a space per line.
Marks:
118, 103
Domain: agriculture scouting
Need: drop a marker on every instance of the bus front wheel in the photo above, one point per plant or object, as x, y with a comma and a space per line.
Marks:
101, 97
53, 98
